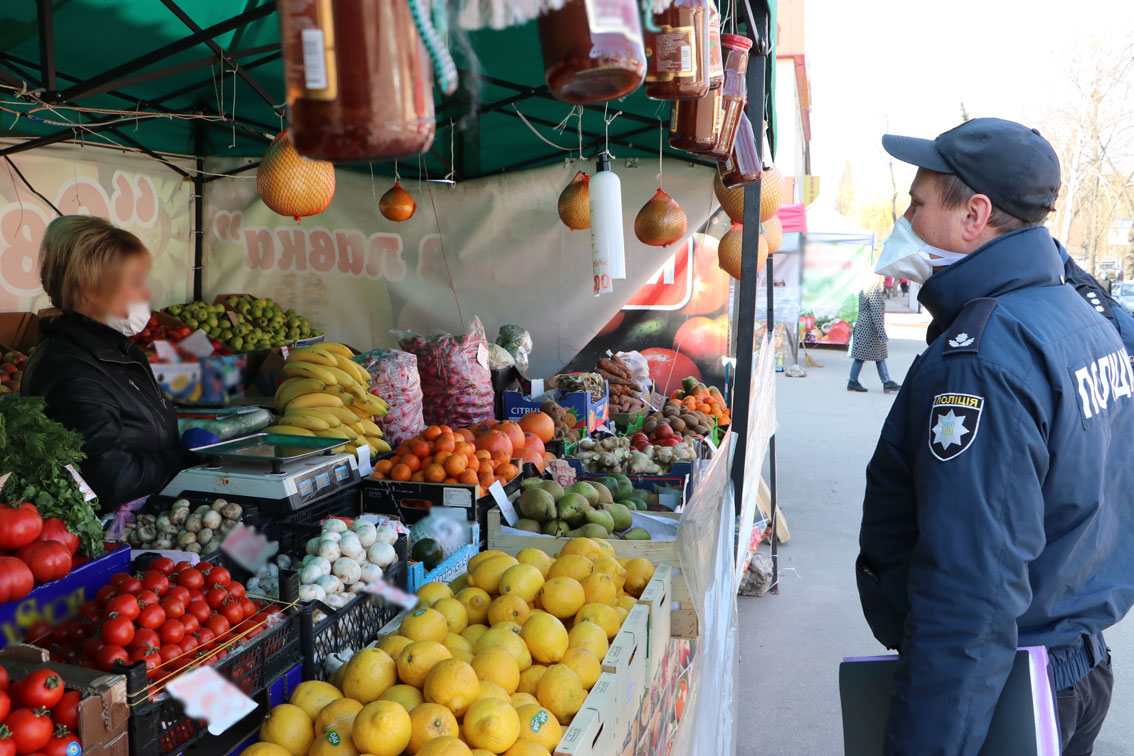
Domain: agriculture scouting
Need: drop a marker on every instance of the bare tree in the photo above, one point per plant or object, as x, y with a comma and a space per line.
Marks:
844, 199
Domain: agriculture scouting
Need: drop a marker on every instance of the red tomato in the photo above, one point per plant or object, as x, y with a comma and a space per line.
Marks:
92, 646
189, 643
164, 565
145, 638
205, 568
39, 632
5, 705
236, 590
174, 607
3, 678
179, 592
63, 743
49, 560
66, 712
68, 633
105, 593
55, 530
219, 624
146, 597
108, 655
117, 578
30, 730
199, 608
191, 578
180, 566
40, 688
124, 606
232, 611
153, 616
130, 585
153, 580
169, 652
90, 612
248, 606
118, 631
16, 579
7, 745
205, 638
219, 577
190, 623
172, 631
150, 657
216, 598
20, 524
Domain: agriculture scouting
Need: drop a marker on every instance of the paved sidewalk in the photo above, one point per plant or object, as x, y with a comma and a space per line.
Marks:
791, 644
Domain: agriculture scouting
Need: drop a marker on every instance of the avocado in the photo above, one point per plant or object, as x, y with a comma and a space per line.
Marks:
586, 490
536, 504
620, 513
529, 525
427, 551
573, 509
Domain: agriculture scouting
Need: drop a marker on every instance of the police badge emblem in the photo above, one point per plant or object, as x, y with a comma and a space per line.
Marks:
953, 424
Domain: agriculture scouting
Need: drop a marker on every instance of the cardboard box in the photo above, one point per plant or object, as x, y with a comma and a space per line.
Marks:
209, 382
589, 413
18, 330
60, 599
627, 661
103, 711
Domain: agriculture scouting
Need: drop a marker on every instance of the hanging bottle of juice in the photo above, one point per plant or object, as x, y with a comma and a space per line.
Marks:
743, 165
592, 50
734, 93
677, 55
359, 81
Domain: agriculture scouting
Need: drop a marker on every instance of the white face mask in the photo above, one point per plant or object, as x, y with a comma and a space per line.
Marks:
137, 316
902, 255
940, 258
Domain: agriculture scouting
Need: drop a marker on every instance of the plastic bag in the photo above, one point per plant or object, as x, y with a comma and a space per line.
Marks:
456, 385
393, 376
640, 369
500, 358
518, 342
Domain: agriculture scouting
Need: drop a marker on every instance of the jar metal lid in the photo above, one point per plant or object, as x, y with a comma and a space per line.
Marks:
736, 42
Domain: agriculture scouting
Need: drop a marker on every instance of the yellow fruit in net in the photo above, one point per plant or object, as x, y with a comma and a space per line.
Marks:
523, 580
433, 592
491, 724
507, 640
382, 728
407, 695
562, 596
599, 588
527, 748
487, 574
265, 749
453, 684
497, 665
541, 560
590, 636
545, 636
454, 612
574, 566
538, 725
626, 602
529, 679
523, 699
508, 609
560, 691
584, 664
425, 624
472, 633
445, 746
429, 721
639, 571
456, 643
289, 727
610, 566
333, 743
587, 547
459, 583
492, 690
418, 658
482, 557
313, 695
369, 673
394, 644
602, 615
475, 601
338, 715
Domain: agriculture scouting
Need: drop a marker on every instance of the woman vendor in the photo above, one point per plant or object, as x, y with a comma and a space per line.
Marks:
93, 379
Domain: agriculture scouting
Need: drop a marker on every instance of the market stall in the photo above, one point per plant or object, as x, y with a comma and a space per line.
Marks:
838, 262
417, 532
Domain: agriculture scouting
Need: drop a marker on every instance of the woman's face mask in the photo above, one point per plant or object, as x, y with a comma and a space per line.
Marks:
137, 316
904, 255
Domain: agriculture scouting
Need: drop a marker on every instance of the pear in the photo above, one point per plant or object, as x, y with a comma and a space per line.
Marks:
550, 486
586, 490
536, 504
601, 517
556, 528
590, 530
604, 494
637, 534
529, 525
620, 513
573, 509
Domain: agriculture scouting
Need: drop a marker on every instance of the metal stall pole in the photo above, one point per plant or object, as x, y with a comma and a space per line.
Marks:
198, 210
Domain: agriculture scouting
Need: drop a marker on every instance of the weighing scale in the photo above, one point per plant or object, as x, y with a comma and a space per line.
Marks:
278, 472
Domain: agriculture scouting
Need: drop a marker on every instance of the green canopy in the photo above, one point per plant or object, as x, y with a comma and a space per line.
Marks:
104, 63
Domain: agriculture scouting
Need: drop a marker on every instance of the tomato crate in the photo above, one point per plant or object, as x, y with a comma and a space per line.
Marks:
161, 728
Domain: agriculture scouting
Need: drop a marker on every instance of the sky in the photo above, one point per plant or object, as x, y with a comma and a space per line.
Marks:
911, 63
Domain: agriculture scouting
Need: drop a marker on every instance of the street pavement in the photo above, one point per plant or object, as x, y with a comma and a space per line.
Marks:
791, 643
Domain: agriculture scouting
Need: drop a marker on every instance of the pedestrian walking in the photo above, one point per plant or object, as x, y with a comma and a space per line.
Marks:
998, 509
869, 340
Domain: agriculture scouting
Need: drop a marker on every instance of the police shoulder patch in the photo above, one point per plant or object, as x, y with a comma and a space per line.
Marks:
953, 424
967, 330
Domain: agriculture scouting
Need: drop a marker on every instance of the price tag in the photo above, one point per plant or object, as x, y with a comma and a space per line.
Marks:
208, 696
248, 548
197, 344
232, 317
537, 387
86, 490
482, 355
4, 479
501, 499
165, 351
384, 590
562, 472
364, 466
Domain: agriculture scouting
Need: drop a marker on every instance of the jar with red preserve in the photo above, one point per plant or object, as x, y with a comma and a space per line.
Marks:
734, 93
743, 165
693, 123
592, 50
716, 59
677, 55
359, 81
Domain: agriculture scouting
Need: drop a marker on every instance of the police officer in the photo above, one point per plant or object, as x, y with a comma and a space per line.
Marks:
998, 501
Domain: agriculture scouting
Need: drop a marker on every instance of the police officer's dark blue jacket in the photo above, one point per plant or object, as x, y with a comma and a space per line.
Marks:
988, 523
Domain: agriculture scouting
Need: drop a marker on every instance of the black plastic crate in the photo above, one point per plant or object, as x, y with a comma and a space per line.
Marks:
161, 728
294, 530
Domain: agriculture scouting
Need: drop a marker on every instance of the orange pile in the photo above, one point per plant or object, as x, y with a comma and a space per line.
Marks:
707, 400
480, 455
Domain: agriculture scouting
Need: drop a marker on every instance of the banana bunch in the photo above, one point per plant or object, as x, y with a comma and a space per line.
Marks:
326, 394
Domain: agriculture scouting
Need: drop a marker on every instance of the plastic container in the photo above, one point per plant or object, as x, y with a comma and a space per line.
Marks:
734, 93
743, 166
592, 50
359, 81
693, 124
677, 56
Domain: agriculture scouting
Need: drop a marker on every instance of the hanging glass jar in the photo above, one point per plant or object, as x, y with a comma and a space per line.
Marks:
359, 81
734, 93
693, 124
592, 50
743, 165
677, 55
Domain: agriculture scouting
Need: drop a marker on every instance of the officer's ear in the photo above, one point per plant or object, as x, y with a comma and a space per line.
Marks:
976, 228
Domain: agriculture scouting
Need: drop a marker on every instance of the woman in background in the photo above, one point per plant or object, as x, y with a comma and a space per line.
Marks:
868, 343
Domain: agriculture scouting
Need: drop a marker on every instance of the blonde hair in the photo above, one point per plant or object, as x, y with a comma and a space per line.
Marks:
80, 257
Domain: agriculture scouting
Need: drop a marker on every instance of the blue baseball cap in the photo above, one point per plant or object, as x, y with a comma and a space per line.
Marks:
1012, 165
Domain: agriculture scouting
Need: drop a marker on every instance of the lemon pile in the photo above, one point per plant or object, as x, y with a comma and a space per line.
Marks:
496, 662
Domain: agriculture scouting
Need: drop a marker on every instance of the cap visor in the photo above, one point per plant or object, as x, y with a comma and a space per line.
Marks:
916, 151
